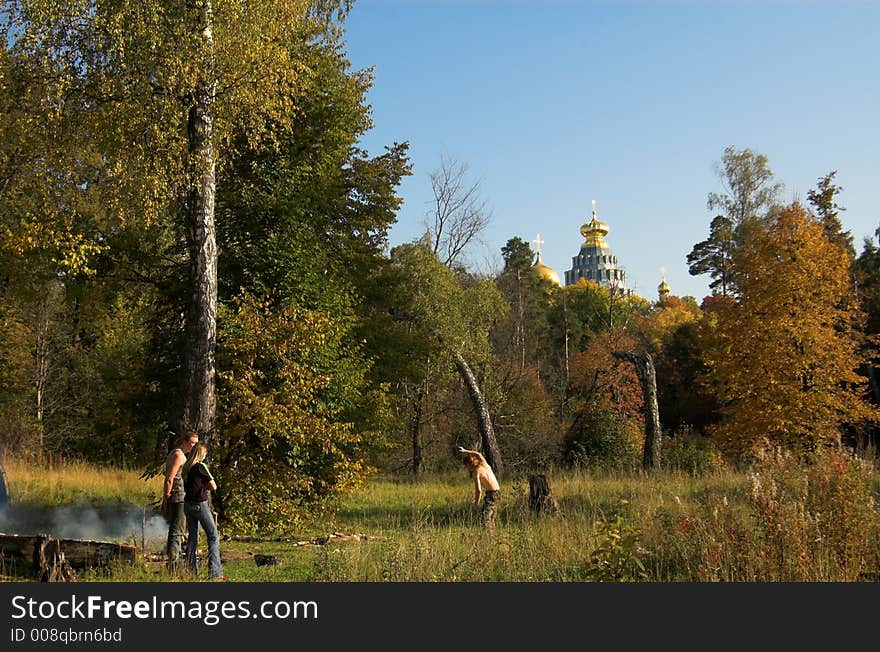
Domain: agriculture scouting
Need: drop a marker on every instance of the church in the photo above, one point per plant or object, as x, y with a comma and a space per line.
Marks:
594, 261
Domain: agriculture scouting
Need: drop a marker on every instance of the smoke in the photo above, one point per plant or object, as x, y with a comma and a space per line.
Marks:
118, 522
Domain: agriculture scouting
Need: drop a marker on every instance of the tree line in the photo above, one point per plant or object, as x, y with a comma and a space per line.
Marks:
193, 240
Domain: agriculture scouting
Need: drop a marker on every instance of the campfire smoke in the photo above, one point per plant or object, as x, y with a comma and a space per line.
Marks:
119, 522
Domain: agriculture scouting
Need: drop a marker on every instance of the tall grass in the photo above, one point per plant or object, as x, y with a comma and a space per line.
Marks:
77, 483
781, 521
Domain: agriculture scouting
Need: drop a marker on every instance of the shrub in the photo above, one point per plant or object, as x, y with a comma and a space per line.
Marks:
692, 454
284, 448
602, 438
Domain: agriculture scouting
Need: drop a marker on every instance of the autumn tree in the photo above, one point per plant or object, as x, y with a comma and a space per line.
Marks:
284, 450
784, 354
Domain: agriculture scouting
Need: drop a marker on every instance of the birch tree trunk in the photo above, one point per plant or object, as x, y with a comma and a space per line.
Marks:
415, 429
199, 403
481, 407
648, 378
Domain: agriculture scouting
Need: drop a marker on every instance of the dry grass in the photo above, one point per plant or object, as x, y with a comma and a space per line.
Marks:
77, 483
783, 522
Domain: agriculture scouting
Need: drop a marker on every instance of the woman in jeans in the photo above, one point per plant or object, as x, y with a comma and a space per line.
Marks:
197, 480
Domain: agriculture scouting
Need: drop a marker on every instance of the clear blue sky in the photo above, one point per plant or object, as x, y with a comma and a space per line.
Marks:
555, 103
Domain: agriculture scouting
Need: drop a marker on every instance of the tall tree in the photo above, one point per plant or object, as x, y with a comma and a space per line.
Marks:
824, 200
161, 88
713, 255
784, 354
750, 193
451, 313
750, 190
459, 213
517, 255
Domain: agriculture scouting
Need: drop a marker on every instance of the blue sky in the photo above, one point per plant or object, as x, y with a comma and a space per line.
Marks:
555, 103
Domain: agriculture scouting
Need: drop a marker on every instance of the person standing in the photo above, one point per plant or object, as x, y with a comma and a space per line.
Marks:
173, 495
484, 479
197, 481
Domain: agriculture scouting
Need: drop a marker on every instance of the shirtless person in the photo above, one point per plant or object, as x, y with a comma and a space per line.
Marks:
484, 479
172, 497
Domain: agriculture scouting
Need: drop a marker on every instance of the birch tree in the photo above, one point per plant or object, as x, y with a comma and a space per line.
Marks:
162, 88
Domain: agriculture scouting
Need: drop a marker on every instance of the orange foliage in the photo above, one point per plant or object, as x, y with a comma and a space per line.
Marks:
784, 353
599, 380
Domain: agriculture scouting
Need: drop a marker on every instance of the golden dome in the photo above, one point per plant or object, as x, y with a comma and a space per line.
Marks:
663, 290
594, 231
545, 272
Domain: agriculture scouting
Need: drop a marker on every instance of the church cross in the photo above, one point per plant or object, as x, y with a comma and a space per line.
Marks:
538, 242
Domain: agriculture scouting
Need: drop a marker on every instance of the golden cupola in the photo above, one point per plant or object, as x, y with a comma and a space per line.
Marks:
595, 262
546, 273
594, 231
663, 290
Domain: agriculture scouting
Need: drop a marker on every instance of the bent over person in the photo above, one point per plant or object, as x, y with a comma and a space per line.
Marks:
173, 495
484, 480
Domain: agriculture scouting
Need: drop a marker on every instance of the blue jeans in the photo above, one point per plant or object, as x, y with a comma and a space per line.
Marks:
176, 524
200, 513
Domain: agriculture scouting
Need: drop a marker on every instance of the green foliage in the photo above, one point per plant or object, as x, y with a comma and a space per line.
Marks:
713, 255
602, 438
867, 273
618, 554
694, 454
283, 452
517, 254
750, 190
750, 195
824, 201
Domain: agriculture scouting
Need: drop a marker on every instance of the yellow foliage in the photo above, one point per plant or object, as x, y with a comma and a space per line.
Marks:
783, 355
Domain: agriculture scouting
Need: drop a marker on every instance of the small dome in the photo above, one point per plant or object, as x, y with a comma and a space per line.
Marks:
545, 272
663, 287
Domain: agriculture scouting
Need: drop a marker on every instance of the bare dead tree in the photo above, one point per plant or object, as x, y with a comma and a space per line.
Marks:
481, 408
644, 365
458, 214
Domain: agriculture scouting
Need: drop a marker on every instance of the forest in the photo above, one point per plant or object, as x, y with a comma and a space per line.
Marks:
192, 239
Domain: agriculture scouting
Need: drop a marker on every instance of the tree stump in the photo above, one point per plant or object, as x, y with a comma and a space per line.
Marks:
540, 499
49, 562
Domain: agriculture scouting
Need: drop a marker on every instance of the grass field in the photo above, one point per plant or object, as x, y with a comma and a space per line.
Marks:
780, 523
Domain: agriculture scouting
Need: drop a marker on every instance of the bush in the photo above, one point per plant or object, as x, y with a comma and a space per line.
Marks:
284, 447
602, 438
693, 454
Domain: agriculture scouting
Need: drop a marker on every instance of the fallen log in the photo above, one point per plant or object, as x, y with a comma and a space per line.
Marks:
78, 553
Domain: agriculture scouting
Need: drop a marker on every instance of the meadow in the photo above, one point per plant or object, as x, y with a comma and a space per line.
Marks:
779, 521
